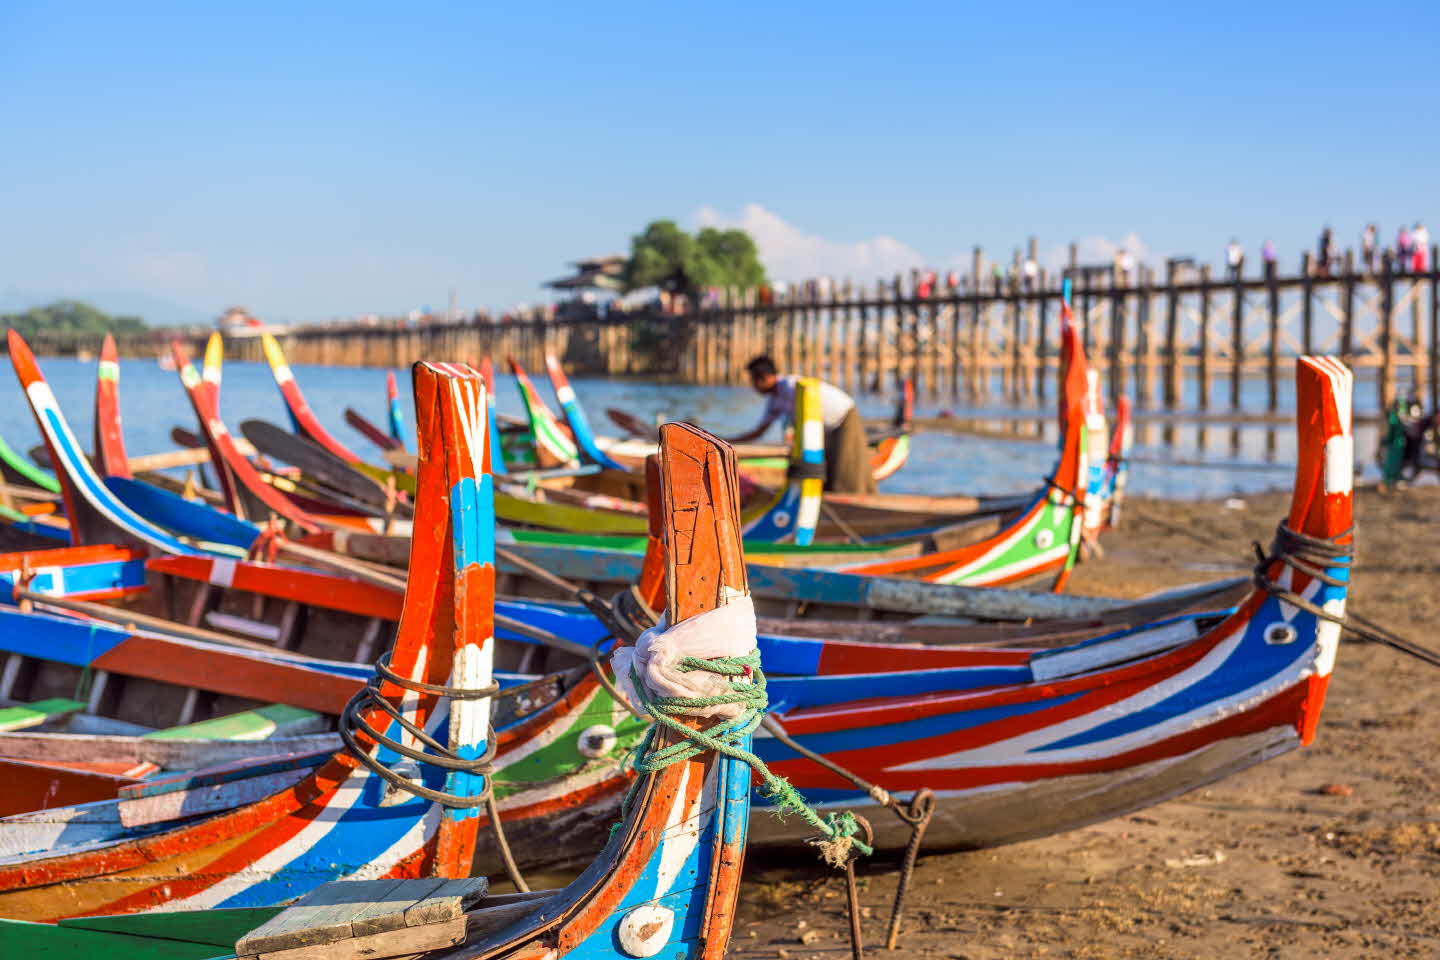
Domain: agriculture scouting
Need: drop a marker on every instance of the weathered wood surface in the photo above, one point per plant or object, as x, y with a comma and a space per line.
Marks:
392, 917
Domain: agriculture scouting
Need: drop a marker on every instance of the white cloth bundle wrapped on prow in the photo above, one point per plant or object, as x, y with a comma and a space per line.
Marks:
726, 631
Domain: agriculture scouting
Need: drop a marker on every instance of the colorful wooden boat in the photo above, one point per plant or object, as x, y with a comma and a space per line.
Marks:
95, 514
301, 416
247, 494
337, 820
1045, 537
989, 671
665, 883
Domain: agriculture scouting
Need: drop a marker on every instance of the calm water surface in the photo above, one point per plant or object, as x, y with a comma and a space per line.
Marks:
152, 402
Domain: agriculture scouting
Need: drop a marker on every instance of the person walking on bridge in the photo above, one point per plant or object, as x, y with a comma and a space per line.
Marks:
847, 455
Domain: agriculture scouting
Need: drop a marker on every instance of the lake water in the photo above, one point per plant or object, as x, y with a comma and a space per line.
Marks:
153, 401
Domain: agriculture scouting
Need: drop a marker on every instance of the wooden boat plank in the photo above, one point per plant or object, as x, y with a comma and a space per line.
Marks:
166, 754
348, 910
842, 589
447, 901
403, 944
31, 785
200, 800
224, 774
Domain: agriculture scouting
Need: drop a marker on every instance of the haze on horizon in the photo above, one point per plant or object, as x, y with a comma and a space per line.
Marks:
171, 160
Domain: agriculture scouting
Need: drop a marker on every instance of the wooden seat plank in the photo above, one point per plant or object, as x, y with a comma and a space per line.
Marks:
263, 723
338, 915
407, 943
447, 902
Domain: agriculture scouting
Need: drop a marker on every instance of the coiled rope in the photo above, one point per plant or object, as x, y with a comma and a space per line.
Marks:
353, 721
747, 690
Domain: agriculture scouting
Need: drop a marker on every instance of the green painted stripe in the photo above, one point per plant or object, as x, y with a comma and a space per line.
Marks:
28, 715
21, 939
220, 927
566, 516
26, 469
561, 759
259, 724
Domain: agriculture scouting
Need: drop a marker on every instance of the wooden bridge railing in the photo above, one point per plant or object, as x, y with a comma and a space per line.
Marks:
987, 339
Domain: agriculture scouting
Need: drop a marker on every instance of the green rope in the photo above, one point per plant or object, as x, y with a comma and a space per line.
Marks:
747, 689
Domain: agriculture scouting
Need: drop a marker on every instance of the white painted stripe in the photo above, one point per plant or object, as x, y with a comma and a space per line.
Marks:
222, 571
1018, 750
242, 625
677, 846
346, 796
812, 435
1339, 464
1065, 663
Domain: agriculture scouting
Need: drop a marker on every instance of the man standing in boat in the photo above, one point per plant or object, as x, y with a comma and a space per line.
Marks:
847, 454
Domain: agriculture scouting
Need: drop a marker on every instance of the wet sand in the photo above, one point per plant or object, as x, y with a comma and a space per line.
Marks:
1328, 851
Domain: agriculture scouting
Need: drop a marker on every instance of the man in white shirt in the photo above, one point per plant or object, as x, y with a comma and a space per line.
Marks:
847, 454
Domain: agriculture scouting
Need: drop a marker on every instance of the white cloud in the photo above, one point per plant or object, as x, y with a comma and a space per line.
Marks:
1095, 249
791, 254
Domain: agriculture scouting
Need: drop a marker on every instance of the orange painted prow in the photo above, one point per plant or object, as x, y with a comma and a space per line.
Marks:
1322, 504
110, 458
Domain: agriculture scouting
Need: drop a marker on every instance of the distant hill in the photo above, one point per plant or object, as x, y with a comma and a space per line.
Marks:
70, 317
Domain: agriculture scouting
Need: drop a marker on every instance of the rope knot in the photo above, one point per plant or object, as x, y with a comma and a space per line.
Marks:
659, 675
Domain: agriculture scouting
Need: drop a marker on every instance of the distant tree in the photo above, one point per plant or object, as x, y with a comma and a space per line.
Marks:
69, 317
667, 257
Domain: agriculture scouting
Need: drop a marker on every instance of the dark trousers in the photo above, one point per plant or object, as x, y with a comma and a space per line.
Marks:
847, 457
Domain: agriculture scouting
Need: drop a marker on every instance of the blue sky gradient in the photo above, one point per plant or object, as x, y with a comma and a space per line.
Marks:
178, 158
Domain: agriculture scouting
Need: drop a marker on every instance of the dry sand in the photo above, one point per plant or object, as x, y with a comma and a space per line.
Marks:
1329, 851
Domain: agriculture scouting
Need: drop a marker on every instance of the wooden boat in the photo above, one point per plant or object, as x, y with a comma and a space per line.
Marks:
1001, 679
1036, 740
1045, 739
301, 416
665, 883
338, 820
1116, 723
1045, 537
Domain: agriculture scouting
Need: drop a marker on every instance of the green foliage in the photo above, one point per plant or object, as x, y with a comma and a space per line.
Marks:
69, 317
667, 257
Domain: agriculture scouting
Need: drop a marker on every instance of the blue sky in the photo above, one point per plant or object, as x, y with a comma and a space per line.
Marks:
175, 159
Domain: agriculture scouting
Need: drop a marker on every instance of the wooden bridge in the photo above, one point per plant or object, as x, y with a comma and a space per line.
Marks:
985, 340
